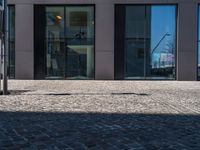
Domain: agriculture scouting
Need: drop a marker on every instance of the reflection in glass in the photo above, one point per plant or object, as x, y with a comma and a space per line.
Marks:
150, 42
11, 41
163, 42
70, 42
134, 41
55, 43
80, 41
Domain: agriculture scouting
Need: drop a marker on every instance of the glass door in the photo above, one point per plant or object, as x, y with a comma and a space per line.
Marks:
69, 42
80, 42
55, 43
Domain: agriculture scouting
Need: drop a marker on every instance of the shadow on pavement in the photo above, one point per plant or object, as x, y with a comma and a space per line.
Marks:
64, 94
99, 131
17, 92
29, 92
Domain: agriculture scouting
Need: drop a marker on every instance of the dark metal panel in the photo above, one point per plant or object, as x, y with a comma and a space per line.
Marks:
39, 43
119, 41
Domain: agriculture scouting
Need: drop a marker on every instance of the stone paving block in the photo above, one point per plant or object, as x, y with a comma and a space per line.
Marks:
140, 115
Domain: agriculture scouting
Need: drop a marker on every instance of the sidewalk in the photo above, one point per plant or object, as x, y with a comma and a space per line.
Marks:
137, 115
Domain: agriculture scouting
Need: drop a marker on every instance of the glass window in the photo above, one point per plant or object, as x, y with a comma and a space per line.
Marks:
134, 41
70, 42
163, 42
11, 41
150, 42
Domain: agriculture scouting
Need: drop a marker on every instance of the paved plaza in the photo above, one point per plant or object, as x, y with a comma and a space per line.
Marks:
100, 115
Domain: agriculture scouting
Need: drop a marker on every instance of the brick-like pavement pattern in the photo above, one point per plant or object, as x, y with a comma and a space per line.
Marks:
100, 115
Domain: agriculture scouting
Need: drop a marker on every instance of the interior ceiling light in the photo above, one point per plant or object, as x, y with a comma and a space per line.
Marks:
59, 17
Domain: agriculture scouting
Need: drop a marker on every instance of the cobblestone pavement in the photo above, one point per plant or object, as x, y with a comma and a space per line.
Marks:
100, 115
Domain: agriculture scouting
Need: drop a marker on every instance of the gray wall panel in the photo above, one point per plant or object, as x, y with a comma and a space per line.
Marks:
187, 42
24, 41
24, 63
104, 50
104, 66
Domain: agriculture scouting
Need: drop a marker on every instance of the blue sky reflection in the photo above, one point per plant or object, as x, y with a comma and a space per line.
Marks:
163, 33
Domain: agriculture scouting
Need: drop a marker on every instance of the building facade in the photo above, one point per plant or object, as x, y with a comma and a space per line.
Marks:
104, 39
